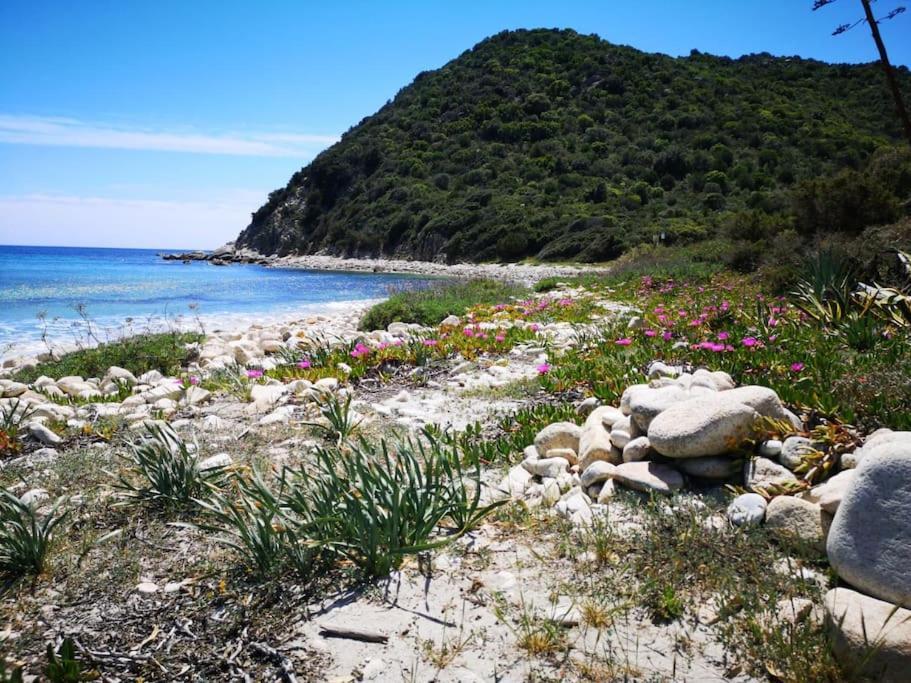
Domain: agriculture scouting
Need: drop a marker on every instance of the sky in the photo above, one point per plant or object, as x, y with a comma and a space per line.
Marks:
165, 124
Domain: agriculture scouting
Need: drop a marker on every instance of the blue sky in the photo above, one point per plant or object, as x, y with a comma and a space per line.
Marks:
165, 124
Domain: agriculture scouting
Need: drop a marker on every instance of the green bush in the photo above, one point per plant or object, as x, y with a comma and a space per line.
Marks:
166, 352
429, 306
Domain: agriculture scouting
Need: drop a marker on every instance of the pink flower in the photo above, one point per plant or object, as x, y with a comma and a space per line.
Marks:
667, 336
543, 369
194, 380
534, 327
254, 374
750, 342
430, 342
797, 367
650, 333
566, 302
625, 341
359, 350
468, 332
500, 338
304, 364
722, 336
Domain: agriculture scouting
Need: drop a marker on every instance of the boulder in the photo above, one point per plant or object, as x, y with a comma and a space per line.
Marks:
761, 399
585, 408
830, 493
514, 483
610, 415
646, 404
195, 395
747, 509
869, 544
715, 467
794, 519
709, 425
869, 636
594, 441
558, 435
637, 449
10, 389
597, 472
116, 374
648, 477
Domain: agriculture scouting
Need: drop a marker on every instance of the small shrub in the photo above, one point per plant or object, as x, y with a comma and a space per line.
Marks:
430, 306
25, 537
165, 351
12, 416
167, 469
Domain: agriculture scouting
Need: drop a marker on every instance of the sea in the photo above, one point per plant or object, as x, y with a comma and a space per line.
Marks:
72, 296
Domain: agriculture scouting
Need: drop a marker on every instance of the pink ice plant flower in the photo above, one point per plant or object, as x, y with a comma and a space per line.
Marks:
750, 342
254, 374
534, 327
543, 369
304, 364
797, 367
359, 350
667, 336
723, 336
468, 332
500, 338
650, 333
625, 341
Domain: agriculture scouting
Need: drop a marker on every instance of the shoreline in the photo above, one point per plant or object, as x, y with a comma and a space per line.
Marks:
28, 351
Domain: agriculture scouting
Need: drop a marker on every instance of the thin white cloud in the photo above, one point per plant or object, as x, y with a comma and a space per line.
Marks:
65, 132
66, 220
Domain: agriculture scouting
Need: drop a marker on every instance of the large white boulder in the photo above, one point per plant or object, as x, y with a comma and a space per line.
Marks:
794, 519
558, 435
646, 404
594, 440
650, 477
708, 425
870, 636
869, 544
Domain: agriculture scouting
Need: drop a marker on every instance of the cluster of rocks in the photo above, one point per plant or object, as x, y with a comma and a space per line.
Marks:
698, 427
222, 256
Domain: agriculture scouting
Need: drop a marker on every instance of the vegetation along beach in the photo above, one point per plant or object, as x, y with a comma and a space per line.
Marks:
582, 355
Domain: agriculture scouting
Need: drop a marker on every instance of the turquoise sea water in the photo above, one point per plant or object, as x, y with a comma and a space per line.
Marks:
114, 285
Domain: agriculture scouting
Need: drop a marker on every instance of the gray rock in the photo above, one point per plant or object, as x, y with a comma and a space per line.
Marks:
710, 425
646, 404
747, 509
762, 473
585, 407
870, 636
547, 467
44, 435
793, 451
595, 441
117, 374
597, 472
761, 399
794, 519
770, 448
610, 415
715, 467
831, 492
648, 477
637, 449
658, 369
558, 435
869, 544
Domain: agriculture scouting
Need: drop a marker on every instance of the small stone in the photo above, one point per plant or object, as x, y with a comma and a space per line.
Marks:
215, 461
147, 587
793, 451
747, 509
33, 497
770, 448
608, 491
637, 449
566, 453
830, 493
41, 433
762, 473
790, 518
585, 407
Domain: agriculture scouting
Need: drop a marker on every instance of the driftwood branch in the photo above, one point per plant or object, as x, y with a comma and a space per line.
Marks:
352, 634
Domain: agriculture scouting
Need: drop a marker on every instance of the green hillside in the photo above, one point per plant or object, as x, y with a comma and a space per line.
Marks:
552, 144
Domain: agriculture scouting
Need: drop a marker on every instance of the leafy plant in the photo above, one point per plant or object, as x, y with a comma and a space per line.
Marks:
825, 291
12, 416
342, 421
25, 536
62, 666
167, 469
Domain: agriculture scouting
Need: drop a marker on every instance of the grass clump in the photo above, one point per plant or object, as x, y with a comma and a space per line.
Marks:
25, 537
168, 470
368, 503
430, 306
12, 416
166, 352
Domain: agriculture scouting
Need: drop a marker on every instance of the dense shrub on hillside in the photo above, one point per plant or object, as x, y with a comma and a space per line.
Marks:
551, 144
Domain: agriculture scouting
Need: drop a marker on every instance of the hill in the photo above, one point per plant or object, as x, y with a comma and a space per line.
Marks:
552, 144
